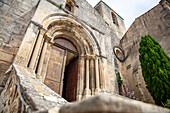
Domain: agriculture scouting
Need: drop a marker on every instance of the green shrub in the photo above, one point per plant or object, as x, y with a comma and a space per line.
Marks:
119, 80
168, 103
61, 5
155, 69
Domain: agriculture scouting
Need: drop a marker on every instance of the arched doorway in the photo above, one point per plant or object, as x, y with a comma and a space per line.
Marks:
62, 69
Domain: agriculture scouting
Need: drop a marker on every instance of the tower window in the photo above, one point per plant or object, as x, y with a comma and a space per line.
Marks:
114, 19
68, 7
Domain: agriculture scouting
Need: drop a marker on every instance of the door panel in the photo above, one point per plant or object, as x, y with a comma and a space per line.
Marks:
56, 65
71, 73
52, 85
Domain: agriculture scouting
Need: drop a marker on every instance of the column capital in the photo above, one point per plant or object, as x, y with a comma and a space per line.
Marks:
87, 56
40, 26
43, 31
48, 38
96, 57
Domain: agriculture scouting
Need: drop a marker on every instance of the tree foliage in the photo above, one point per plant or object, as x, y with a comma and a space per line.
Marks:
168, 103
155, 69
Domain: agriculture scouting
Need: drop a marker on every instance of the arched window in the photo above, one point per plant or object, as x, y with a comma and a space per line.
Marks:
68, 7
114, 19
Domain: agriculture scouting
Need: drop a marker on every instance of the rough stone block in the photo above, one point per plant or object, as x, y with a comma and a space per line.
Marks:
8, 48
6, 57
111, 104
4, 66
38, 96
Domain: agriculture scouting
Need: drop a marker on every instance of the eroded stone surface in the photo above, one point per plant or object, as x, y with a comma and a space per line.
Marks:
155, 22
38, 96
111, 104
15, 15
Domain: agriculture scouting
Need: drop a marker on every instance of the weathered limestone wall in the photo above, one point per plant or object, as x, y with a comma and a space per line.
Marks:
87, 17
106, 12
29, 18
24, 94
15, 16
116, 33
155, 22
111, 36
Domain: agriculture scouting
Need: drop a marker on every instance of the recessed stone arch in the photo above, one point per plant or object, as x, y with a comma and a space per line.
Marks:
90, 74
52, 19
66, 27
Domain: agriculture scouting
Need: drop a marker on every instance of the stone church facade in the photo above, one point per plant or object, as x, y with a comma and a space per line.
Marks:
69, 46
75, 37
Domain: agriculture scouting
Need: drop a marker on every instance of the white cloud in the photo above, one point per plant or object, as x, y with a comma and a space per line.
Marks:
128, 9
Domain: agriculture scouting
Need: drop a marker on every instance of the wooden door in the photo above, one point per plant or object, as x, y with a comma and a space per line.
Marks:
55, 70
71, 76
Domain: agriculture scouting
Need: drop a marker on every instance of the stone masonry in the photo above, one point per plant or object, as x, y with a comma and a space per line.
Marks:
40, 39
15, 15
155, 22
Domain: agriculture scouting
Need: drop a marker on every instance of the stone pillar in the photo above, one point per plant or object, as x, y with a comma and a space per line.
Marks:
40, 65
92, 76
37, 49
81, 78
87, 91
25, 50
102, 74
97, 76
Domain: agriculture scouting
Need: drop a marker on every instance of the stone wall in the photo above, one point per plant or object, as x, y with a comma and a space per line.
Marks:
24, 94
106, 12
105, 36
15, 16
155, 22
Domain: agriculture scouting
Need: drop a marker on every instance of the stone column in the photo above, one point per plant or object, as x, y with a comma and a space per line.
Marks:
24, 52
40, 65
102, 74
92, 76
37, 49
87, 91
81, 78
97, 76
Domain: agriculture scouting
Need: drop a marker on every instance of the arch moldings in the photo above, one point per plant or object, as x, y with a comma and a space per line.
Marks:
89, 64
63, 19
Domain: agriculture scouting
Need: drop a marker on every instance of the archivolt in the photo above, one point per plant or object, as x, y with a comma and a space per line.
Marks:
61, 25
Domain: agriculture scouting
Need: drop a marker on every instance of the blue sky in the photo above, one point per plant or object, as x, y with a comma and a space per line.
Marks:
128, 9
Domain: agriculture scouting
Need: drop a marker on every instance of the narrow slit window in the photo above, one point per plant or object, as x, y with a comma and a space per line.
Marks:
114, 19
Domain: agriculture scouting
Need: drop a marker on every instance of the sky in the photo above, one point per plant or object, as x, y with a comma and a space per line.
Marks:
128, 9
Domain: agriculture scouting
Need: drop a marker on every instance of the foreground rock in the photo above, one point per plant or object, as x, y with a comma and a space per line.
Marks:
111, 104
